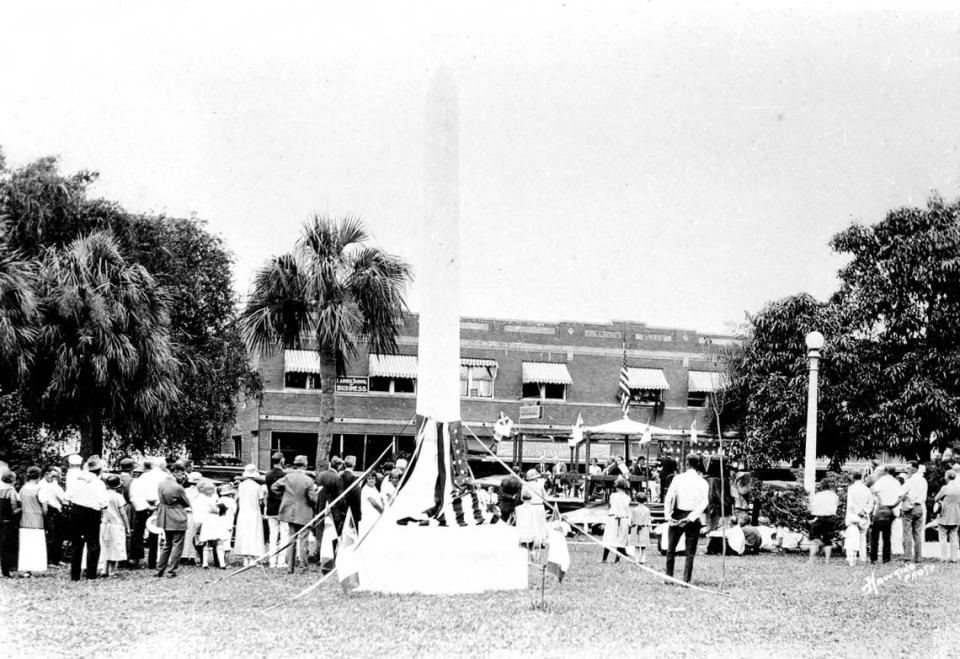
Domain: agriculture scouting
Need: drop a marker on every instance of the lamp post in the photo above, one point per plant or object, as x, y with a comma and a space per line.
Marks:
814, 342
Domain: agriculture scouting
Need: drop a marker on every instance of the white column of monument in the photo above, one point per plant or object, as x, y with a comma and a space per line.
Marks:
438, 277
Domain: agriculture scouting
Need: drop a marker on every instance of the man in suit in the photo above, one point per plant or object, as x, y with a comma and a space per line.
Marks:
298, 495
172, 504
278, 531
353, 499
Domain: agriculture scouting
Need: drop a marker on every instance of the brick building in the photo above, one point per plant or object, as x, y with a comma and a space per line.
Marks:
551, 372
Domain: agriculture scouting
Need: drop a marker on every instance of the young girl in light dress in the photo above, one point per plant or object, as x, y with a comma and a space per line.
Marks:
640, 528
214, 515
617, 526
250, 496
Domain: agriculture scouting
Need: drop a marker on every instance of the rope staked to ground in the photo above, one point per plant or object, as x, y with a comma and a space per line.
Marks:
629, 559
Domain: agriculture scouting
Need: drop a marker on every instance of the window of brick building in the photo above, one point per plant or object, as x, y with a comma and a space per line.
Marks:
477, 381
393, 385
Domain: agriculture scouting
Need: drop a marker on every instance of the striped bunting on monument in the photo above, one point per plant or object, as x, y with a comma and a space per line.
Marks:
455, 498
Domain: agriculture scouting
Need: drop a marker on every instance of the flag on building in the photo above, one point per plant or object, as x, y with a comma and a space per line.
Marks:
346, 561
558, 556
576, 434
624, 385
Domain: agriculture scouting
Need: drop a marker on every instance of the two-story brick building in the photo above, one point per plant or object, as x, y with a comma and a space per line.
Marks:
542, 375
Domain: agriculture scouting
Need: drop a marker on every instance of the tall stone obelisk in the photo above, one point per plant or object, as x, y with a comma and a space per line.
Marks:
438, 369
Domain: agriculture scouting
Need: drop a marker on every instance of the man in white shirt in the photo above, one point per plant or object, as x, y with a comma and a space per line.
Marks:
88, 497
684, 503
143, 498
887, 491
823, 508
54, 522
913, 507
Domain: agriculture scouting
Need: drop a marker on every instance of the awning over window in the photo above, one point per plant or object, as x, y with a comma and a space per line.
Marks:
393, 366
301, 361
646, 378
478, 361
699, 382
546, 373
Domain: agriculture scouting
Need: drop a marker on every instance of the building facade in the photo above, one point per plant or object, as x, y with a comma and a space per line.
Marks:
541, 375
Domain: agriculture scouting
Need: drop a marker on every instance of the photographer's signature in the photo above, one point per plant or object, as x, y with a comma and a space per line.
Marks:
907, 573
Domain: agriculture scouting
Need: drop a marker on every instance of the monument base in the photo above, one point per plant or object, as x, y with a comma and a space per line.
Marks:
441, 560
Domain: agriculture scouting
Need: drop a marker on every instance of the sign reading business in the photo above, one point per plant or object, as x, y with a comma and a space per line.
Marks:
352, 384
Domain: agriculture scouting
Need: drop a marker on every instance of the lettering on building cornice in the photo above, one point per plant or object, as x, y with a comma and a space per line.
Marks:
653, 337
529, 329
602, 334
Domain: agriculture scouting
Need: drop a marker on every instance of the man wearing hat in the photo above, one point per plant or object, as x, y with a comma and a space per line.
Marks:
172, 518
143, 500
126, 477
298, 494
348, 476
277, 535
87, 496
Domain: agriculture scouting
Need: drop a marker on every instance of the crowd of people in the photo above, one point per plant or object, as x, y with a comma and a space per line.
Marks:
887, 512
159, 516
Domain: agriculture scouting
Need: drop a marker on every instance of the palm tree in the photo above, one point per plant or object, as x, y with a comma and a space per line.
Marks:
104, 354
18, 311
335, 290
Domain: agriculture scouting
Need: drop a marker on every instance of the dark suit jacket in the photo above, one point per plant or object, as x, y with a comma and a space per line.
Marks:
348, 477
298, 496
330, 488
172, 506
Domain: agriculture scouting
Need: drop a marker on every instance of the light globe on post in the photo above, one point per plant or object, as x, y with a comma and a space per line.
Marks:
814, 341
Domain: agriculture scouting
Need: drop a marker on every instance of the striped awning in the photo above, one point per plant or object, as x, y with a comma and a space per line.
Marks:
301, 361
646, 378
706, 381
546, 373
393, 366
478, 361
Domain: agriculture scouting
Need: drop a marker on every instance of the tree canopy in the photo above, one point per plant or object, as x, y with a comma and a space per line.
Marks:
890, 368
42, 213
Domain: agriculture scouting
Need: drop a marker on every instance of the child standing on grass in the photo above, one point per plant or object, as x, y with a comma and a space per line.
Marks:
640, 527
114, 527
206, 512
617, 526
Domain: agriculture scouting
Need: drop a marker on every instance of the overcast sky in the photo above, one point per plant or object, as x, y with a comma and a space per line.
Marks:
617, 162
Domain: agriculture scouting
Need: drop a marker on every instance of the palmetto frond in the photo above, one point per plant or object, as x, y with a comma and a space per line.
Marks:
18, 312
278, 311
104, 340
376, 283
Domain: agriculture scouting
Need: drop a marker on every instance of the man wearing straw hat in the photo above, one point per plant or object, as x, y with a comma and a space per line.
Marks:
172, 504
298, 494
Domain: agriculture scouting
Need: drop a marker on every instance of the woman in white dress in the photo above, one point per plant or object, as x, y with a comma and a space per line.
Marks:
33, 542
531, 515
190, 539
250, 496
371, 504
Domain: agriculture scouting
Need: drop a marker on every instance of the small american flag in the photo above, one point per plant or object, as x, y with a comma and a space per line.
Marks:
624, 386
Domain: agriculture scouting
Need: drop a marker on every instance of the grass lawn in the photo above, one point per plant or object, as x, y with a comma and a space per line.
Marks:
777, 606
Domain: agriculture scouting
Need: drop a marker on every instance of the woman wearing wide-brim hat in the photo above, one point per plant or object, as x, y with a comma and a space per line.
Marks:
530, 514
249, 532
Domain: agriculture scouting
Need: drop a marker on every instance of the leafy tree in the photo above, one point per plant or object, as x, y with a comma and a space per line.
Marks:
104, 355
770, 379
23, 441
900, 293
42, 208
195, 269
334, 290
